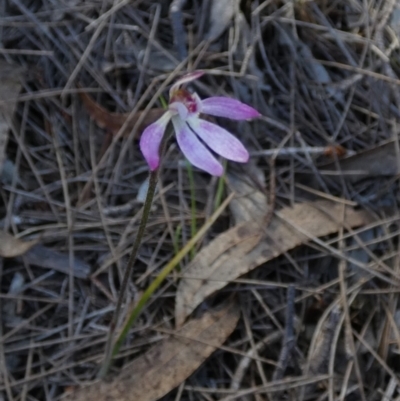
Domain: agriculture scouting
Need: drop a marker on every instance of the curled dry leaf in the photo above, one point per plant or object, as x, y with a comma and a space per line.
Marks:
169, 363
11, 247
113, 122
382, 160
320, 348
221, 14
246, 246
322, 343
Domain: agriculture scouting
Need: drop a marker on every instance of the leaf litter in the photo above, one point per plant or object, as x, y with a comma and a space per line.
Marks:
113, 122
170, 362
11, 247
325, 79
248, 245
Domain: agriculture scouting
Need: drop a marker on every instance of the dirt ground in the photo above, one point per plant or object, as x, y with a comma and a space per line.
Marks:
290, 288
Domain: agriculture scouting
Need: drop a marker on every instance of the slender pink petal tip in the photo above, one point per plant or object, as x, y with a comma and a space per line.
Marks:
243, 157
151, 155
229, 108
154, 164
247, 159
256, 113
217, 171
191, 76
151, 139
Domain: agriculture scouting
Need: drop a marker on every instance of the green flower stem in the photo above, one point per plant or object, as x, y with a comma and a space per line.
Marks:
164, 273
220, 187
193, 211
128, 272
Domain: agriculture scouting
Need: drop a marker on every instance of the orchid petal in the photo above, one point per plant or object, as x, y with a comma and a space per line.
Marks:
179, 108
183, 80
219, 140
227, 107
194, 150
151, 139
199, 105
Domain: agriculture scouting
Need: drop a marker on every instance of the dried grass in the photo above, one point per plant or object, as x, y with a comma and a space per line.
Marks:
322, 73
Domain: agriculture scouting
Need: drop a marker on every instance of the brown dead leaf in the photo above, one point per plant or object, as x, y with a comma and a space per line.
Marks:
169, 363
11, 247
114, 121
246, 246
221, 14
382, 160
250, 203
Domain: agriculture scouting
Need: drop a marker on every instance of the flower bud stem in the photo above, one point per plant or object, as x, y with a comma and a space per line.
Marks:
128, 272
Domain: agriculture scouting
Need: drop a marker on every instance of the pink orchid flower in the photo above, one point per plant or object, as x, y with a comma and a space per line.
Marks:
194, 134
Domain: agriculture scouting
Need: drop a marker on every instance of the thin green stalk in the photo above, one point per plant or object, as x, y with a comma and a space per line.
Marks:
128, 271
164, 103
220, 188
175, 239
164, 273
193, 210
